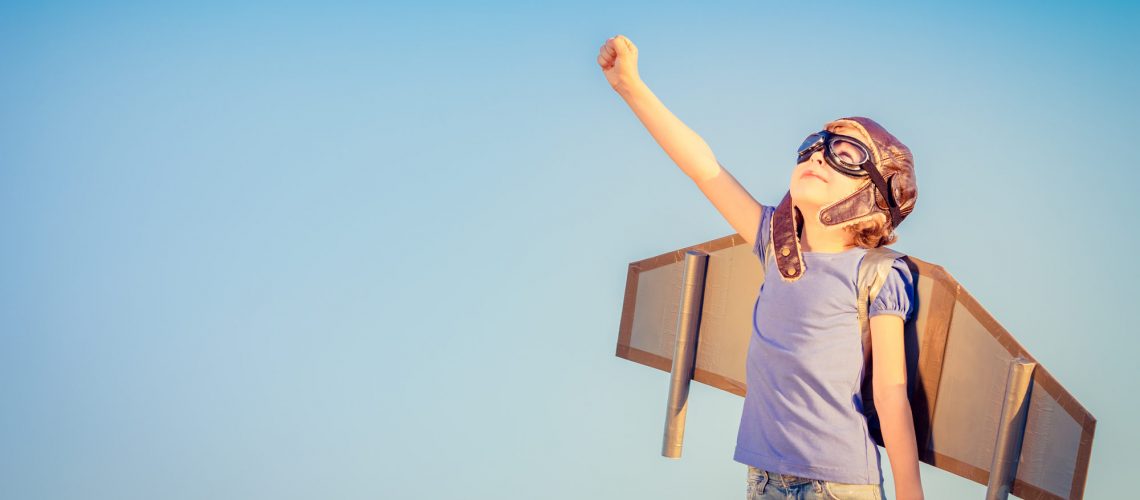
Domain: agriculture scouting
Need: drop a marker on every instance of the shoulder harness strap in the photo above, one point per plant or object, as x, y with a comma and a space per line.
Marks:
873, 271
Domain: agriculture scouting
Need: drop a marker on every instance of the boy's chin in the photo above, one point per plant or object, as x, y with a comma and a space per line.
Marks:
809, 200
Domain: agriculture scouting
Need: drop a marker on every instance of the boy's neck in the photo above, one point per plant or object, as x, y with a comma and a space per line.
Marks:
819, 238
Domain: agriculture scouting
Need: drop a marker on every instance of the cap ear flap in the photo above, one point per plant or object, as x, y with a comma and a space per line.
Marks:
856, 205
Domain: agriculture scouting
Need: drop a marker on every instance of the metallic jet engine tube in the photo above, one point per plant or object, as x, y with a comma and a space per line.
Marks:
685, 350
1011, 428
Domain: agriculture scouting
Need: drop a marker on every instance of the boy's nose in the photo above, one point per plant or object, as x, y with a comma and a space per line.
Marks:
816, 157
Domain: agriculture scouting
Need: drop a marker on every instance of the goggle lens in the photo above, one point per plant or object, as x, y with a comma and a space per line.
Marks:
848, 152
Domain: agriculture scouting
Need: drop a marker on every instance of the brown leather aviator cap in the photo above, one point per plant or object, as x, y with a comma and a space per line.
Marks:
893, 177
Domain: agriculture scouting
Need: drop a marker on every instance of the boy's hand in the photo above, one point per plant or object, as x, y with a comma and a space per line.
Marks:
618, 59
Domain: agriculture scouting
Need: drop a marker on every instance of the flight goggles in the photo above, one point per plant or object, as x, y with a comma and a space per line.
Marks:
845, 154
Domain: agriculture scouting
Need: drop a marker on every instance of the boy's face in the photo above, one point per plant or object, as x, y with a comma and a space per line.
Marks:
815, 184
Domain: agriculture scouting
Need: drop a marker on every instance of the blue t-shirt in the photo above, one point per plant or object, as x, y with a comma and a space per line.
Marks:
803, 409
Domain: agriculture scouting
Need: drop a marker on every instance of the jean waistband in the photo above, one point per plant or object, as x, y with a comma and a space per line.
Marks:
785, 479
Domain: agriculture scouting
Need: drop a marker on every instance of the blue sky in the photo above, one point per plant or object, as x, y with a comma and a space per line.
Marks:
349, 250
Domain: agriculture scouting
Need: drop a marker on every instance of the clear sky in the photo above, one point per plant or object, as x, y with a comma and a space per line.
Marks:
361, 250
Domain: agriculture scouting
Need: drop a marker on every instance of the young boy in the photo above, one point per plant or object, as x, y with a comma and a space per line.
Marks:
802, 431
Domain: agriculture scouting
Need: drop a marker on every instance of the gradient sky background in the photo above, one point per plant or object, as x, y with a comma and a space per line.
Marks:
349, 250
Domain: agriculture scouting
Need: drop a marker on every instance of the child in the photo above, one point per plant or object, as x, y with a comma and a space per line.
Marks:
802, 431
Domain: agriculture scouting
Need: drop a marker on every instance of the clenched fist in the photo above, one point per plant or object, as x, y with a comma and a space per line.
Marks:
618, 59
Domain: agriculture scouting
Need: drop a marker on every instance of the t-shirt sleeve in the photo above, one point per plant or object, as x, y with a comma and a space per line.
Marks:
897, 295
762, 231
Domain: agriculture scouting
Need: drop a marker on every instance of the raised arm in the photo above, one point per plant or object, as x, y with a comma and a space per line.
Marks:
618, 59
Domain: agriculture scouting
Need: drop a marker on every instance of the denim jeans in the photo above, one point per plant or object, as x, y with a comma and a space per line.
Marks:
763, 485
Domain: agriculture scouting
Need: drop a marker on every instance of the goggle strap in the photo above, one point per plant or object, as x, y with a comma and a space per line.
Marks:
881, 185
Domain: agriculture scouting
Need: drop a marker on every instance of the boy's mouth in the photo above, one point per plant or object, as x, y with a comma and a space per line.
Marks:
809, 173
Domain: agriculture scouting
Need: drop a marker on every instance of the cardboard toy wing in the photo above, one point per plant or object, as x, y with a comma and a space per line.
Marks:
957, 356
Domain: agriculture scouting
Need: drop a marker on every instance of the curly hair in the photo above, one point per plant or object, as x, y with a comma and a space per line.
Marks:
873, 233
